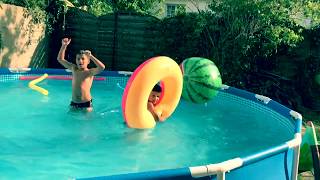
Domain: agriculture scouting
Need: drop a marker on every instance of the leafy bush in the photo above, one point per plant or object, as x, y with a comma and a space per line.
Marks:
238, 33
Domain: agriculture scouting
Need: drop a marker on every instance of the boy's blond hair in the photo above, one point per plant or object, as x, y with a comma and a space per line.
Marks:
84, 52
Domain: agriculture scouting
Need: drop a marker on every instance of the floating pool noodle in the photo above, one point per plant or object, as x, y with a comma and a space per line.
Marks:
33, 85
57, 78
139, 86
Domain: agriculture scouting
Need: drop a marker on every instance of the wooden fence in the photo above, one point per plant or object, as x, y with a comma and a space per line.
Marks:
121, 41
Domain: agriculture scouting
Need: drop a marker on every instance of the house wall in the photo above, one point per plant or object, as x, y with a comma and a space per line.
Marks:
191, 5
22, 43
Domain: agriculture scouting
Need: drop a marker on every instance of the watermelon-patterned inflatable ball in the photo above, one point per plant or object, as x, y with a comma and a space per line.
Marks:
201, 79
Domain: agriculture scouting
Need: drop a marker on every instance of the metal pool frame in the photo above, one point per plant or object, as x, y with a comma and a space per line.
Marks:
276, 163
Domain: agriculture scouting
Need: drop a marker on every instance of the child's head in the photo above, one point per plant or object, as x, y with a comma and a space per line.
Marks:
155, 94
82, 59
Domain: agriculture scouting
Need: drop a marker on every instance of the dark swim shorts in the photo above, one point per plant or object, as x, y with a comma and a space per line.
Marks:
81, 105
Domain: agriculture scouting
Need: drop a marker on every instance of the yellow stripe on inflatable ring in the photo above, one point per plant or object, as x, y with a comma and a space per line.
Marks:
32, 85
139, 86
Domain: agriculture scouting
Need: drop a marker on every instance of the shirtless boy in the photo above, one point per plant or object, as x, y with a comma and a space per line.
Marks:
82, 77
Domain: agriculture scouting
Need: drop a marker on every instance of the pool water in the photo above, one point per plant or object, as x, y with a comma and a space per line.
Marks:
41, 139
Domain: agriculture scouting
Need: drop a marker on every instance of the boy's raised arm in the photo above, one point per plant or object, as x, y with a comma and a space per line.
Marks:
155, 115
64, 43
100, 66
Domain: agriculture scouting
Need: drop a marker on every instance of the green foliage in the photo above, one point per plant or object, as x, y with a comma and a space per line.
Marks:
179, 37
307, 13
139, 6
247, 30
35, 9
237, 33
181, 9
95, 7
41, 10
258, 27
102, 7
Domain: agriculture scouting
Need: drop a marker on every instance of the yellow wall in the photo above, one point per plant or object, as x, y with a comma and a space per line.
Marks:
20, 47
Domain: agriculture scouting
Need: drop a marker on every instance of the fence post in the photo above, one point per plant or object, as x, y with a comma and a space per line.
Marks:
115, 35
115, 41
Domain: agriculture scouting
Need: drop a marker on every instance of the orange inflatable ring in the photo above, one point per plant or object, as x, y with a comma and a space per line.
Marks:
139, 86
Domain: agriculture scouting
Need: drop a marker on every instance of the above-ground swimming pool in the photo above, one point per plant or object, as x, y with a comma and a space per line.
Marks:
237, 135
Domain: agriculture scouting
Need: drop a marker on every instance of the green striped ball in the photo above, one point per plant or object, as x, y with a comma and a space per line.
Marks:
201, 79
